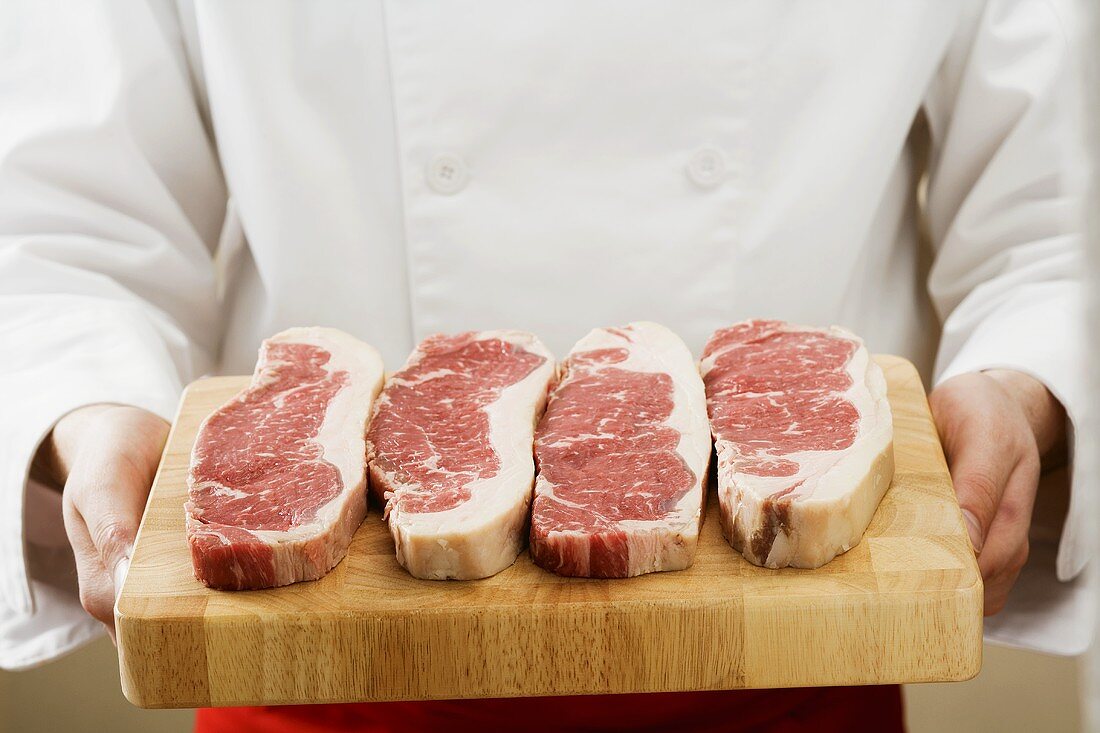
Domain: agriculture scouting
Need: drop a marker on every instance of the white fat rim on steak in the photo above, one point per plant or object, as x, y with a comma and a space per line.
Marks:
831, 510
342, 436
656, 349
484, 534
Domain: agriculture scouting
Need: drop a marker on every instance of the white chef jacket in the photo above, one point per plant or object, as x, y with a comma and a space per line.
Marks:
179, 181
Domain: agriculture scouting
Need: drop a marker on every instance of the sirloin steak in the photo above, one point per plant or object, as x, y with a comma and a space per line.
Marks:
277, 481
450, 451
804, 439
622, 452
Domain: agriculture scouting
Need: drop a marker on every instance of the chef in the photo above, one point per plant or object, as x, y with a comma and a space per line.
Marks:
180, 180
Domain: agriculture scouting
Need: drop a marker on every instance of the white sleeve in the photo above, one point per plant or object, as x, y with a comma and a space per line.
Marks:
1004, 208
111, 204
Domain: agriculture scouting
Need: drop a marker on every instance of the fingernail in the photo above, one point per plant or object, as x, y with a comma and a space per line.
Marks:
974, 530
121, 569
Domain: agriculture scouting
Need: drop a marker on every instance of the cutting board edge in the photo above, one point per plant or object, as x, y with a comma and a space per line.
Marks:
960, 613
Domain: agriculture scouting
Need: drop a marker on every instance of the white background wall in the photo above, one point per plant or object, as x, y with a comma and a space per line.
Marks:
1016, 691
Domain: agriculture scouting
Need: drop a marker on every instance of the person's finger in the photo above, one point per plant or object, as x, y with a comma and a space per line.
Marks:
980, 467
104, 499
1006, 546
110, 495
96, 590
106, 457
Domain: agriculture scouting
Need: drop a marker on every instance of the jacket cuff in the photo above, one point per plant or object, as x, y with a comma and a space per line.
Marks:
58, 625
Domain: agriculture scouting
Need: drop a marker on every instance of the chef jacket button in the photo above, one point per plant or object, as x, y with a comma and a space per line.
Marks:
447, 174
707, 168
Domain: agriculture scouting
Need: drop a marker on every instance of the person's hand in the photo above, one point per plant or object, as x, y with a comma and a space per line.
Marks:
995, 427
105, 456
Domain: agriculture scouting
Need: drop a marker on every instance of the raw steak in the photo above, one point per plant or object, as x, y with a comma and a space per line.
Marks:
450, 449
278, 474
804, 439
622, 452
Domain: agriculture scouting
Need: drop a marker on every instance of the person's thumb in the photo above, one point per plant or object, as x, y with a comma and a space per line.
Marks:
979, 495
102, 508
109, 493
113, 536
109, 485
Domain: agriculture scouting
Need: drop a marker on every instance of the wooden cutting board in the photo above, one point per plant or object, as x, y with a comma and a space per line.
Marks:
905, 605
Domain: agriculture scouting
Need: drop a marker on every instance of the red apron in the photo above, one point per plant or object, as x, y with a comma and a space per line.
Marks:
819, 709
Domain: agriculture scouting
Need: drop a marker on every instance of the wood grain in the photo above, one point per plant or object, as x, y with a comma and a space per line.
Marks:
905, 605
